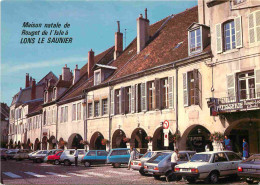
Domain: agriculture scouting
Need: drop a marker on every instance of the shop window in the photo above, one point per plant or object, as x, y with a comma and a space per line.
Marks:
246, 85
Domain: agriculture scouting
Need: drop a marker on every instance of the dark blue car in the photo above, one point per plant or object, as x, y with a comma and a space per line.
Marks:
94, 157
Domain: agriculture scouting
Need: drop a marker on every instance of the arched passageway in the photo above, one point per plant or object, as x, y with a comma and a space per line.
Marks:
117, 139
37, 144
74, 141
19, 145
61, 143
97, 142
52, 143
138, 140
158, 140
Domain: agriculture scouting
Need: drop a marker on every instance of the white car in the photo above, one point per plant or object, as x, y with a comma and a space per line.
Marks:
209, 166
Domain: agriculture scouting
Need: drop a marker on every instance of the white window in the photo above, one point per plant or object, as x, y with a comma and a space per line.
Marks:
90, 112
54, 93
195, 40
73, 112
79, 111
97, 78
97, 108
62, 115
66, 114
46, 97
229, 36
104, 107
246, 85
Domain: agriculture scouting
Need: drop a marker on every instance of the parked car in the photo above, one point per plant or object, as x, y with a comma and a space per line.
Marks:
39, 156
67, 157
51, 152
118, 156
138, 164
209, 166
11, 153
94, 157
30, 154
55, 158
3, 155
22, 154
250, 169
160, 164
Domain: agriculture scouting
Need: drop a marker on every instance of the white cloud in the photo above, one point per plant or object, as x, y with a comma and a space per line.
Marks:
8, 68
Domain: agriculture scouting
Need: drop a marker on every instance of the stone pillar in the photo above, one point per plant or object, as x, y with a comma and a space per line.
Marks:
150, 146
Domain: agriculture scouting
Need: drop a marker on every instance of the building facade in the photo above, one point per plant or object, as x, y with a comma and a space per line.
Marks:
4, 124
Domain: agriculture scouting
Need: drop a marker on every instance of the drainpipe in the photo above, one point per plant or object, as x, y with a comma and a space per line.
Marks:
110, 118
176, 109
57, 128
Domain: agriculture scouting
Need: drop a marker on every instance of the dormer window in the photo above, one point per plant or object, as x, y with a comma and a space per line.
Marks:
97, 77
195, 40
238, 1
54, 93
46, 97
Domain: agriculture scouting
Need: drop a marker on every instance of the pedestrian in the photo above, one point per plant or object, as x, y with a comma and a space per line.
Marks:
132, 156
245, 149
207, 148
76, 155
227, 143
174, 158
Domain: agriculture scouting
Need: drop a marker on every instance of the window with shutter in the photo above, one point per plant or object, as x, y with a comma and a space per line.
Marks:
117, 101
143, 97
257, 23
73, 112
185, 89
246, 85
229, 35
218, 38
79, 111
138, 98
122, 100
90, 112
112, 102
157, 94
200, 89
238, 32
231, 88
251, 27
171, 92
127, 100
151, 95
196, 87
133, 94
257, 82
164, 93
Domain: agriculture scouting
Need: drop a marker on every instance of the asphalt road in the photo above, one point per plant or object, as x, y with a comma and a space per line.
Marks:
26, 172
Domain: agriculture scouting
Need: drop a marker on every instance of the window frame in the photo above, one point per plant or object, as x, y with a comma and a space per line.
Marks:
164, 84
90, 110
97, 73
103, 106
230, 36
196, 43
151, 95
246, 78
96, 108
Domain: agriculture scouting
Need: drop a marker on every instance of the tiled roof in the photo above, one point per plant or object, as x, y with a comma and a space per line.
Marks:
34, 106
77, 89
63, 83
4, 111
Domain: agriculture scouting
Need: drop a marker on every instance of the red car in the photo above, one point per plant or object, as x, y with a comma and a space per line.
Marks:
55, 159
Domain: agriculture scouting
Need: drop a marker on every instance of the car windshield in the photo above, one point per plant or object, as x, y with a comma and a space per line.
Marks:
148, 155
158, 157
200, 158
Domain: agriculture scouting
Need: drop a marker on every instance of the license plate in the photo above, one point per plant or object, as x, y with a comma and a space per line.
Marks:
150, 167
185, 170
135, 163
250, 170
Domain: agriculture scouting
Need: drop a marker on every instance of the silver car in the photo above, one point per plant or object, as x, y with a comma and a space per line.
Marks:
138, 164
160, 164
39, 156
67, 157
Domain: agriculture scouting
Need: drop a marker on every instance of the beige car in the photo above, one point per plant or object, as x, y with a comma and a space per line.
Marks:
22, 154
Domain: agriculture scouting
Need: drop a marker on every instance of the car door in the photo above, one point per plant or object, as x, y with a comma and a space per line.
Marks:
222, 164
234, 159
91, 156
101, 157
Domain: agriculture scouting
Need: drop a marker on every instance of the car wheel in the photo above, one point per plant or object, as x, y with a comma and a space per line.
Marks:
191, 180
117, 165
67, 163
178, 178
142, 172
170, 177
213, 177
38, 160
249, 181
157, 177
87, 164
56, 162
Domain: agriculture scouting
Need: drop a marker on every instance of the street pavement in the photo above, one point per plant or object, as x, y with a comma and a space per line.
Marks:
26, 172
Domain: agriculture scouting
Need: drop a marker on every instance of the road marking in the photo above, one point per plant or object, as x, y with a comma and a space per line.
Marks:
120, 173
56, 174
34, 174
79, 175
97, 174
10, 174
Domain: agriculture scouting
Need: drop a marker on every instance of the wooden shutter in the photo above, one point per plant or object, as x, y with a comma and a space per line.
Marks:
100, 106
112, 102
200, 89
171, 92
238, 32
257, 82
157, 93
122, 100
231, 87
133, 95
196, 86
185, 90
251, 28
257, 25
136, 98
219, 38
143, 96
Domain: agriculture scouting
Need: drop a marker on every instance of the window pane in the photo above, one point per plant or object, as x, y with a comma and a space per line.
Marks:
73, 112
79, 111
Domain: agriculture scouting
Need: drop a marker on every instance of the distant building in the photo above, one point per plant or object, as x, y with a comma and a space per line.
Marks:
4, 124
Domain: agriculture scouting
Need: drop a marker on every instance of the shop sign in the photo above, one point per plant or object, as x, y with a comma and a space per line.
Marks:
243, 105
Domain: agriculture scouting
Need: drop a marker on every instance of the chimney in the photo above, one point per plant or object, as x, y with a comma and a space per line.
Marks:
30, 81
33, 91
90, 63
27, 80
142, 31
66, 75
76, 74
118, 42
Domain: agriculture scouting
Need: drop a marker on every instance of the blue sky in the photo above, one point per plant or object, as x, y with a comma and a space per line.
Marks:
92, 25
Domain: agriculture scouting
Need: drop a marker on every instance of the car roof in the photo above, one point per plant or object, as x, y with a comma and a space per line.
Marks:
214, 152
97, 150
120, 149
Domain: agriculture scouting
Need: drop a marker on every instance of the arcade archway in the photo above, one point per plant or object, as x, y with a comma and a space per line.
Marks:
117, 139
61, 143
158, 140
11, 143
44, 143
138, 140
96, 142
74, 141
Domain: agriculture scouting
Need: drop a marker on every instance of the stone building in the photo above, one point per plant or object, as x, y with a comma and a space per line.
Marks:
4, 124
